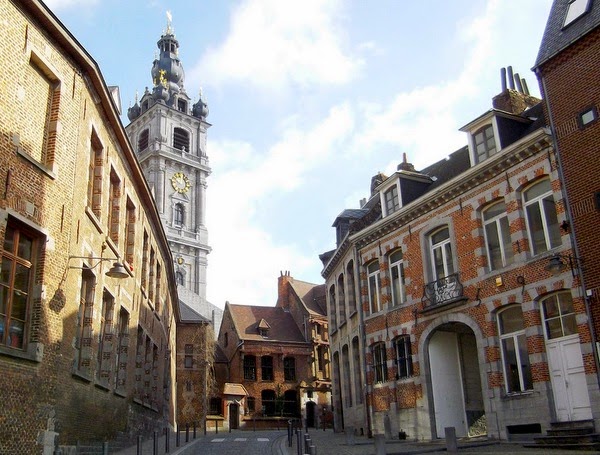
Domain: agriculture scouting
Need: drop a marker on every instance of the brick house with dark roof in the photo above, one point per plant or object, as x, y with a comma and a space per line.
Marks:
446, 307
568, 68
279, 356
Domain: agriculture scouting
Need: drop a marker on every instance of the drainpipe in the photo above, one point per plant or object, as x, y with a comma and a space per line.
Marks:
363, 338
569, 214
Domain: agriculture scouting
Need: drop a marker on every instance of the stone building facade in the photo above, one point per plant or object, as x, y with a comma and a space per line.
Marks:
446, 280
88, 290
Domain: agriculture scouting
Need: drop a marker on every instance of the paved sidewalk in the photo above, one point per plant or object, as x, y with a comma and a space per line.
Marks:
327, 442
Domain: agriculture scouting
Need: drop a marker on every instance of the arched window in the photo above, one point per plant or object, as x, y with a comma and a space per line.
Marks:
181, 139
350, 288
250, 368
515, 358
143, 140
559, 315
441, 253
373, 284
542, 221
379, 362
178, 214
332, 308
341, 298
497, 236
403, 356
397, 273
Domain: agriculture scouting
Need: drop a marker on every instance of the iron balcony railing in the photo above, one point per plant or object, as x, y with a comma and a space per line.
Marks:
442, 291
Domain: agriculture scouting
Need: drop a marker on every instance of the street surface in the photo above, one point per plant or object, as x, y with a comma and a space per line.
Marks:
238, 443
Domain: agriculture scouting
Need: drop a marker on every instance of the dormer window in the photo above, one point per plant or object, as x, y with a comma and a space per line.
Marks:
576, 9
263, 328
390, 198
485, 143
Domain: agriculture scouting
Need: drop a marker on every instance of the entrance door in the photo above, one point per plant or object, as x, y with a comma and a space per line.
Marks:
310, 414
447, 384
568, 379
234, 416
565, 362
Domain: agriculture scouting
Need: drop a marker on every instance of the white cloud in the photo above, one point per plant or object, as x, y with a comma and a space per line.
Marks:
274, 44
56, 5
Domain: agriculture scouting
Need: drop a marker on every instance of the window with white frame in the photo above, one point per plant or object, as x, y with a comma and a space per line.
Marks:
515, 358
497, 236
559, 315
542, 220
403, 356
373, 283
485, 143
391, 200
380, 362
441, 253
397, 274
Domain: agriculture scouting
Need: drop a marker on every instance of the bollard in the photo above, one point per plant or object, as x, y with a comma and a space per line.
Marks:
312, 450
139, 445
380, 444
299, 442
204, 427
216, 426
167, 440
155, 443
105, 448
194, 429
177, 436
451, 444
187, 433
350, 436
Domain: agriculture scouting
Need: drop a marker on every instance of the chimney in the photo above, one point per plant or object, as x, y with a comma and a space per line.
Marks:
405, 166
283, 295
516, 98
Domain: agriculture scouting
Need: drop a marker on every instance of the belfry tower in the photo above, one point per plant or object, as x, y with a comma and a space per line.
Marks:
168, 133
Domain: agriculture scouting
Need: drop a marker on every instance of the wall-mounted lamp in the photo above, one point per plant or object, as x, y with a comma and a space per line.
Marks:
116, 271
557, 265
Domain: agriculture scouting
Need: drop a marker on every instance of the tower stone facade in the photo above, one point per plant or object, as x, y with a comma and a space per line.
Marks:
168, 133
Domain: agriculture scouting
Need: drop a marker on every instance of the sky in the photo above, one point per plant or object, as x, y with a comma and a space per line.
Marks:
308, 100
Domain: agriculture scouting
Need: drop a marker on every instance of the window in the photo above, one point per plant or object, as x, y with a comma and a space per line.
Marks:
341, 298
114, 206
441, 254
145, 247
497, 236
266, 365
226, 339
251, 402
151, 282
18, 258
143, 141
188, 386
321, 358
576, 9
83, 340
542, 221
403, 357
188, 360
380, 362
157, 300
130, 220
106, 338
94, 196
178, 214
216, 406
559, 315
179, 278
268, 402
290, 403
122, 348
485, 143
250, 368
332, 308
289, 369
41, 112
397, 273
357, 368
391, 200
350, 288
346, 372
515, 358
181, 105
373, 284
181, 139
588, 116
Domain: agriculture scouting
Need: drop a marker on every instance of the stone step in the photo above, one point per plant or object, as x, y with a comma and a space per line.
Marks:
578, 446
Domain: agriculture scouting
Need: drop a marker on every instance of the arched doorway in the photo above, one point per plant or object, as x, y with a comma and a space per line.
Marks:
310, 414
234, 416
456, 381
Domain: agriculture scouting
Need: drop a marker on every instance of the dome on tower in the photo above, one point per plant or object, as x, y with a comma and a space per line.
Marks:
200, 108
167, 70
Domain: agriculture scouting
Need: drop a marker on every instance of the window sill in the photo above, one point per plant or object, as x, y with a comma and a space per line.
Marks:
42, 167
102, 386
95, 221
34, 353
77, 374
518, 395
120, 393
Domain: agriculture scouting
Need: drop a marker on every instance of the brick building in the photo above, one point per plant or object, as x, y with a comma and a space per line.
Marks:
88, 290
445, 283
571, 46
279, 357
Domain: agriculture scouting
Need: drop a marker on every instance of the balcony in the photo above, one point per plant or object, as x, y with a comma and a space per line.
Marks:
443, 292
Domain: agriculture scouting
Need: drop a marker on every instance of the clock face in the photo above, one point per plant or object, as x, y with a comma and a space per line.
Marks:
180, 182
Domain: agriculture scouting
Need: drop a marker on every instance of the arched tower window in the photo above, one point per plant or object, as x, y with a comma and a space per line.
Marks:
143, 141
179, 278
178, 214
181, 139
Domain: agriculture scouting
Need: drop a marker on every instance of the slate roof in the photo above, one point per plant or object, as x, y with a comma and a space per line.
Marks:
282, 325
556, 39
187, 314
312, 295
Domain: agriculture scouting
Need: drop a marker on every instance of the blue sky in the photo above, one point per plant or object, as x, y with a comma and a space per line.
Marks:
308, 100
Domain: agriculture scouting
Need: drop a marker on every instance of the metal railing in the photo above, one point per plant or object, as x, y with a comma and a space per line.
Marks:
442, 291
